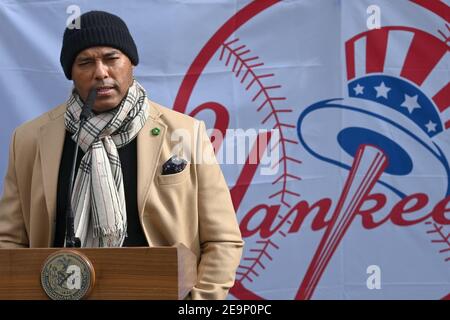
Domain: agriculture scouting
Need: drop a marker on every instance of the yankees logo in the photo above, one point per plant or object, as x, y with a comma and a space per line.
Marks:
362, 168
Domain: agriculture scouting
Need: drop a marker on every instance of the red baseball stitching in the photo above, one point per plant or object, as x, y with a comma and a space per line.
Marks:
246, 65
442, 238
249, 271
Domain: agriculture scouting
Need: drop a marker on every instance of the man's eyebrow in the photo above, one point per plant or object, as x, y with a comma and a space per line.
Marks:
111, 53
82, 58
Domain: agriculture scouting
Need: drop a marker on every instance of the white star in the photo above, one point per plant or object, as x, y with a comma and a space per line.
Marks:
411, 103
431, 126
382, 90
359, 89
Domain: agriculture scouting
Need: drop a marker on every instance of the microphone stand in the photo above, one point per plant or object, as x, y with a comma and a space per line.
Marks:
71, 240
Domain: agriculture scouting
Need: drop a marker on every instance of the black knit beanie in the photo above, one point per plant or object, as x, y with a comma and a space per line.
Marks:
97, 28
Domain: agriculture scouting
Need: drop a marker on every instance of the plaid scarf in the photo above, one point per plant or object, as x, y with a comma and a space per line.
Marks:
98, 198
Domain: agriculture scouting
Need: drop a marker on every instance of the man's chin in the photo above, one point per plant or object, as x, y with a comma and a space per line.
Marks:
103, 107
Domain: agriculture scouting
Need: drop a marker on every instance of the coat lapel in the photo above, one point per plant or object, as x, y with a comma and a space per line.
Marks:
148, 151
51, 142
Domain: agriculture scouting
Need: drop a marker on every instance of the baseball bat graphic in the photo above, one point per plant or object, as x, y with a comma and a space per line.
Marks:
368, 165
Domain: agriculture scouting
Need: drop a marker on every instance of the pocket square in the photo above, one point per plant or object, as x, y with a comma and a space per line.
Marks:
174, 165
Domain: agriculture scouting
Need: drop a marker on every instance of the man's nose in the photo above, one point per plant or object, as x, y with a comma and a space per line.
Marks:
101, 71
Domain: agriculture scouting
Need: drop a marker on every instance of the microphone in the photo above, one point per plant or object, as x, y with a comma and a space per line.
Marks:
87, 108
71, 240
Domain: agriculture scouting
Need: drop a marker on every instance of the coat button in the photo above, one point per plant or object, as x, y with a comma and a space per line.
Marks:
155, 131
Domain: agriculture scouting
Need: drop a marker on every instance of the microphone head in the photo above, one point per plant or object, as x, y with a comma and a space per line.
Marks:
89, 104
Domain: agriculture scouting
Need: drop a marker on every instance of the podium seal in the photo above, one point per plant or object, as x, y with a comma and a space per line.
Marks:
67, 275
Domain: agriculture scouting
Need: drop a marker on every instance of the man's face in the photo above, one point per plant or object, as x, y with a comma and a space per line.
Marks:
108, 70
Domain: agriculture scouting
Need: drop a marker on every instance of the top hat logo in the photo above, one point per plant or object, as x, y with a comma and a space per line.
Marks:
410, 75
398, 100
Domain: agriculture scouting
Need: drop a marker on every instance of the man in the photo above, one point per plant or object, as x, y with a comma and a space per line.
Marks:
123, 194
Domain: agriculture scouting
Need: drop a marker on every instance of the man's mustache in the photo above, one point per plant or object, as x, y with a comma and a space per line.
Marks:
106, 84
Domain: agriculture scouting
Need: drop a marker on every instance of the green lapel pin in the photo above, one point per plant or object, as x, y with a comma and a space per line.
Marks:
155, 131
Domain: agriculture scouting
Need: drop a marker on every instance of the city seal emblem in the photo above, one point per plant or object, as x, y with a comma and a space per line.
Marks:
67, 275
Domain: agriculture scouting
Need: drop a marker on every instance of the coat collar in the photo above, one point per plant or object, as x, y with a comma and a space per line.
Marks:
51, 143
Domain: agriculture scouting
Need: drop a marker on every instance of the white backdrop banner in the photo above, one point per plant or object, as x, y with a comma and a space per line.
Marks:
330, 120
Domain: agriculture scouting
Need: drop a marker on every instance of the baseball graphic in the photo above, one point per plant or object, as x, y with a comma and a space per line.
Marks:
348, 177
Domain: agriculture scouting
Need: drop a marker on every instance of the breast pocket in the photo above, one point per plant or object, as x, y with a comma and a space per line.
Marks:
175, 178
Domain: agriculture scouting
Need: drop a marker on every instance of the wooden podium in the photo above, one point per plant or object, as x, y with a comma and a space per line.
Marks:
163, 273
